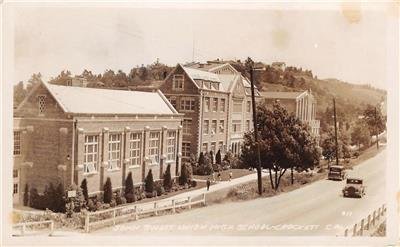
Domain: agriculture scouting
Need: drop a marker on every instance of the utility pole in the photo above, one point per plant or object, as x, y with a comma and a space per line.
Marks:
253, 101
376, 129
336, 137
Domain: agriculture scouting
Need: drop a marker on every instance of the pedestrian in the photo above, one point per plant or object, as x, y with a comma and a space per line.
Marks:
230, 175
208, 184
219, 176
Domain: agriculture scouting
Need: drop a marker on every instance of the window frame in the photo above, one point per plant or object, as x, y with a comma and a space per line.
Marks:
215, 105
154, 157
186, 128
17, 143
135, 149
171, 145
221, 126
41, 104
222, 104
214, 127
117, 151
186, 149
206, 131
94, 154
181, 81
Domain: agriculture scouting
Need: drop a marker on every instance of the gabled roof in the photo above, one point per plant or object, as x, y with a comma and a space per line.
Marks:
81, 100
196, 74
282, 95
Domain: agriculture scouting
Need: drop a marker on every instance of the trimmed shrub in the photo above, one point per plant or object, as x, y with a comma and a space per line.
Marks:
167, 182
85, 189
184, 177
129, 190
35, 199
78, 201
160, 190
118, 198
211, 156
149, 182
26, 195
91, 205
193, 183
107, 191
201, 159
59, 199
218, 158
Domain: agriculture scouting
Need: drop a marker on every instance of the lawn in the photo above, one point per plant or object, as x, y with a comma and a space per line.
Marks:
236, 173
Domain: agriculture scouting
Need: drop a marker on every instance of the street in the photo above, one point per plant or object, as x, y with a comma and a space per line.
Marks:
317, 209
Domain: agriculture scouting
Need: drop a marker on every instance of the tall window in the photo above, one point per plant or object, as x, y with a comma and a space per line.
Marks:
42, 103
17, 142
171, 142
222, 106
221, 126
91, 148
178, 82
236, 126
248, 106
114, 151
237, 106
135, 148
187, 126
206, 126
206, 104
214, 127
154, 147
186, 149
187, 104
215, 104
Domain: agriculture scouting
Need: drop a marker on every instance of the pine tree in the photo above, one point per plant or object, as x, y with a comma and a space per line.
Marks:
129, 193
107, 191
26, 195
218, 158
201, 159
59, 195
184, 177
167, 178
85, 189
149, 182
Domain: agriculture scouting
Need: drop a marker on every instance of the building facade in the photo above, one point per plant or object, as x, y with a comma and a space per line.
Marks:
216, 102
301, 104
67, 134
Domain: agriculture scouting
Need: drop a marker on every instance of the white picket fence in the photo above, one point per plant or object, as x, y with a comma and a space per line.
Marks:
368, 225
24, 225
128, 212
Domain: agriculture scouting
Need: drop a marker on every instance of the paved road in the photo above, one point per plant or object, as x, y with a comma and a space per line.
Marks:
317, 209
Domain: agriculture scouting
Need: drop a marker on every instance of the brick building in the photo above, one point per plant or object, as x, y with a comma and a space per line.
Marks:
69, 134
216, 102
302, 104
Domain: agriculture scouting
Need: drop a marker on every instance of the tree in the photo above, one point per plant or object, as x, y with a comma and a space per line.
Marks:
26, 195
34, 80
129, 189
19, 93
218, 157
374, 119
149, 182
167, 182
62, 78
85, 189
360, 134
185, 176
201, 159
59, 201
108, 193
285, 143
328, 146
212, 157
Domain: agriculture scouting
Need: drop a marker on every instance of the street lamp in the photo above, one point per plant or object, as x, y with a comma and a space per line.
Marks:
253, 100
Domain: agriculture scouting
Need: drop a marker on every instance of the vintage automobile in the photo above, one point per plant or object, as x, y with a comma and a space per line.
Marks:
354, 188
337, 173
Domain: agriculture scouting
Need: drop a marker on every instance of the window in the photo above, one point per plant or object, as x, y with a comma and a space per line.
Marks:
248, 125
237, 106
187, 126
213, 147
236, 126
204, 147
221, 146
206, 126
90, 153
222, 106
114, 151
215, 105
178, 82
154, 147
135, 148
15, 188
171, 142
214, 127
15, 173
42, 103
248, 106
187, 104
173, 102
17, 142
221, 126
186, 149
206, 104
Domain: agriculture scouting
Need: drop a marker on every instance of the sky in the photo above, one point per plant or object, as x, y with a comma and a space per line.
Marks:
348, 44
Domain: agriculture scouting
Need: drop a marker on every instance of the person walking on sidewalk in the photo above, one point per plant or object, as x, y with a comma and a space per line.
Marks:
208, 184
230, 175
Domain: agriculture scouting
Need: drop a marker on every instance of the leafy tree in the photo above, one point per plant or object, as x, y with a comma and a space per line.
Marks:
374, 119
285, 143
328, 146
62, 78
34, 80
167, 182
218, 157
85, 189
129, 189
360, 134
149, 182
108, 193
